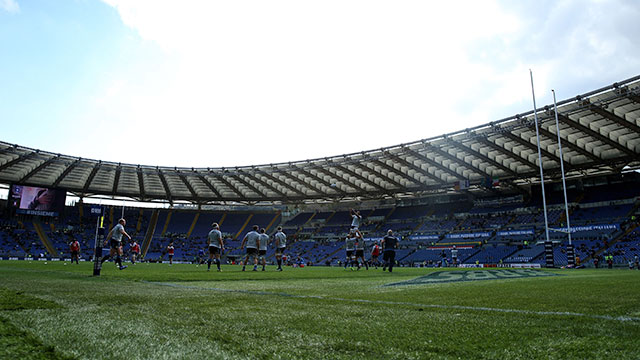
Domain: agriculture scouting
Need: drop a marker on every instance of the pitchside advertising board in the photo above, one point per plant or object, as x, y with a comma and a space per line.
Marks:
32, 200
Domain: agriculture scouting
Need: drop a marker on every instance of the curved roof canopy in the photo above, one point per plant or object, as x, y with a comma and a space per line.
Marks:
600, 134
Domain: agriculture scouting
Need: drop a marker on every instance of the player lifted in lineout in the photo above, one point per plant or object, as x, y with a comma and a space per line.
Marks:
356, 219
252, 241
281, 244
216, 246
262, 251
114, 237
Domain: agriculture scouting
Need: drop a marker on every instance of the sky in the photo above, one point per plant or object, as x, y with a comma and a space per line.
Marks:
230, 83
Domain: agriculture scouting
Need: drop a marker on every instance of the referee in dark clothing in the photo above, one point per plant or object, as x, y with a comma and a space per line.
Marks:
389, 246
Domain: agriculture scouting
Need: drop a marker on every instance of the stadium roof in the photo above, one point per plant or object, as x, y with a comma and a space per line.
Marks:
600, 134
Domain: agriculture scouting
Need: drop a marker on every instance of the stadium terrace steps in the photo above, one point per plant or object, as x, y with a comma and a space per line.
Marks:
246, 222
614, 240
151, 229
45, 240
193, 224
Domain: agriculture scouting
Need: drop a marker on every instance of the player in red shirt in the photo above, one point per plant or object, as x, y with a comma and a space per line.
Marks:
75, 250
375, 252
170, 251
135, 251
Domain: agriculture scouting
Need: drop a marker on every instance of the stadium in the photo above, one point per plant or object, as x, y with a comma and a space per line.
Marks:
476, 191
382, 206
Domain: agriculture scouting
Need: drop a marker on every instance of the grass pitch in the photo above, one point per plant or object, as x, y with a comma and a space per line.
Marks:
154, 311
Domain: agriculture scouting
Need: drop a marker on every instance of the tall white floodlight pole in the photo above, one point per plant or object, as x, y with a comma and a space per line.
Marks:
544, 199
564, 184
122, 217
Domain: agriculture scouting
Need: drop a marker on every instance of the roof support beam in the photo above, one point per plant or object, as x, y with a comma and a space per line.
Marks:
320, 168
533, 147
417, 168
304, 183
93, 173
482, 157
269, 186
384, 177
165, 185
116, 179
209, 184
16, 160
65, 172
587, 130
273, 178
396, 171
141, 182
635, 98
569, 144
230, 186
358, 176
247, 184
615, 118
38, 168
434, 163
320, 180
511, 154
188, 185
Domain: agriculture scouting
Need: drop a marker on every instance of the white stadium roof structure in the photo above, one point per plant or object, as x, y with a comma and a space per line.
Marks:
600, 133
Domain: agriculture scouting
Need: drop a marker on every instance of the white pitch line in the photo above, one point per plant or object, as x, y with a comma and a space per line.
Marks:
434, 306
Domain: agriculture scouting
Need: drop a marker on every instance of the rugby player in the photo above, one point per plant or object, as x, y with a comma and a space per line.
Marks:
135, 251
114, 238
216, 246
262, 251
350, 247
375, 252
74, 247
360, 250
252, 241
281, 245
389, 246
170, 250
356, 219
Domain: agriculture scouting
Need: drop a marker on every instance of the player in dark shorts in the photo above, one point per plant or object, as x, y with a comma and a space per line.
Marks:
74, 247
216, 246
262, 249
389, 246
252, 241
350, 248
281, 244
114, 238
360, 250
171, 251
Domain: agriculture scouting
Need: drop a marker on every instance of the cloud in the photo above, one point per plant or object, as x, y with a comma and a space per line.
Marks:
285, 80
10, 6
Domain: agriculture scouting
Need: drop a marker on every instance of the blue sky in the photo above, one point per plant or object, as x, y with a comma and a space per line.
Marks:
207, 83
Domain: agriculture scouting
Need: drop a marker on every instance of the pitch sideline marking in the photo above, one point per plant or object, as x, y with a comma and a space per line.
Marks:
433, 306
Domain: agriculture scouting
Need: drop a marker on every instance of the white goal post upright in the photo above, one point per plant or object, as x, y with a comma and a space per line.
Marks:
570, 253
544, 199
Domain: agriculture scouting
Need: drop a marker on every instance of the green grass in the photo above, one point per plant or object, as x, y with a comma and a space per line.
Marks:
183, 312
